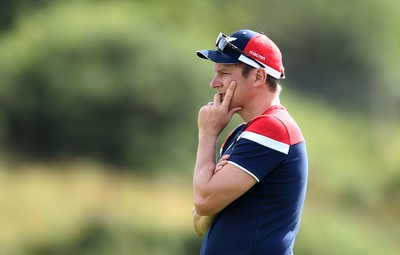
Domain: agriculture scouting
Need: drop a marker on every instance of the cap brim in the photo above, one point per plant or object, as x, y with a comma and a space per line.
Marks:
217, 56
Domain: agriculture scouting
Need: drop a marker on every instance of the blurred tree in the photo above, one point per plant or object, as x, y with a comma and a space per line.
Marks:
88, 80
11, 9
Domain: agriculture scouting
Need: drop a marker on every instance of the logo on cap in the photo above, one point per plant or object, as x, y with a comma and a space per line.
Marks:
256, 55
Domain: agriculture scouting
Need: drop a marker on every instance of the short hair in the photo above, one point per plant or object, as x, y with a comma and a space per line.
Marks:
272, 83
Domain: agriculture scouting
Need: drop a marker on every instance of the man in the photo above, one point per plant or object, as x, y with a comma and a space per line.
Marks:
250, 200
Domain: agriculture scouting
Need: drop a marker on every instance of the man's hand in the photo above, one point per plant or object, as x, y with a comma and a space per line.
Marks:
213, 118
201, 223
222, 162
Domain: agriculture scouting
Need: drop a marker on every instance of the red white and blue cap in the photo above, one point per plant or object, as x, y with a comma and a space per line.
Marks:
250, 47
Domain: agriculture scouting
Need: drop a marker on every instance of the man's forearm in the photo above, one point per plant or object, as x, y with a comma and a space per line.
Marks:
204, 168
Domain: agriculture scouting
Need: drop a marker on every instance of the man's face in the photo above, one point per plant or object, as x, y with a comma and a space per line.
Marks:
224, 74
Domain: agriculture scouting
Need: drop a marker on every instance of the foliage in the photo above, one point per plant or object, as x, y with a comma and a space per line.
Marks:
336, 51
94, 83
101, 79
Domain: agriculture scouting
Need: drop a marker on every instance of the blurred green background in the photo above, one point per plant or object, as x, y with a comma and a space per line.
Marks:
98, 109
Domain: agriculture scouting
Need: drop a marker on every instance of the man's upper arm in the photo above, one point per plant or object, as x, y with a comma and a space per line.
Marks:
226, 186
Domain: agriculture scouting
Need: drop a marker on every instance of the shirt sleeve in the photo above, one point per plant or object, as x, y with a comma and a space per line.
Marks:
261, 147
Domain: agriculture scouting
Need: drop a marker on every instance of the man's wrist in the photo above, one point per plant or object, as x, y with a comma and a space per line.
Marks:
208, 136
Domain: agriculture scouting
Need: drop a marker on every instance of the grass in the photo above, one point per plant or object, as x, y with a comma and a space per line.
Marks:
59, 204
84, 208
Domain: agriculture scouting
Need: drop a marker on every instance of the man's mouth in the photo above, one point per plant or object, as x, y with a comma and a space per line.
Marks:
222, 95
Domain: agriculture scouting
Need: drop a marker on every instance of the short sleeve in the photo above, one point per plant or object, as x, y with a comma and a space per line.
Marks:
261, 147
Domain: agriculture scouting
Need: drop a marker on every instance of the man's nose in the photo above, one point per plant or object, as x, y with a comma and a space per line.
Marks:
215, 83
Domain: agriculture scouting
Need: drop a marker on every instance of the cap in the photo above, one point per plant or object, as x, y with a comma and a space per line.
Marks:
250, 47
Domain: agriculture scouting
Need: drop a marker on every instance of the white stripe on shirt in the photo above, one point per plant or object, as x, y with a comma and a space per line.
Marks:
245, 170
266, 141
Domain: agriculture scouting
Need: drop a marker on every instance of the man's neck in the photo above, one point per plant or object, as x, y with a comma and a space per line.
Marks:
259, 107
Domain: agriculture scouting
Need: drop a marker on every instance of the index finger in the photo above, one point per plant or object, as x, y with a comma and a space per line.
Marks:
229, 95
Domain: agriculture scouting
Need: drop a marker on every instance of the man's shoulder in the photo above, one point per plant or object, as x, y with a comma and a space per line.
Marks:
278, 125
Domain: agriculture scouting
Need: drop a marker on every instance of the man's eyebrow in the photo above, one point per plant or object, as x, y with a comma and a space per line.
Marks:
222, 69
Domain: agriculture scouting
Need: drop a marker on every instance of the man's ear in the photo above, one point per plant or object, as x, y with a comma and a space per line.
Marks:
260, 77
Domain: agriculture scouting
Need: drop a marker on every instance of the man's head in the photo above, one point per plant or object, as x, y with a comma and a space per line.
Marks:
253, 62
249, 47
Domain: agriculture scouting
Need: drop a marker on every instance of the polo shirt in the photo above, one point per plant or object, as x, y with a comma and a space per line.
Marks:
266, 219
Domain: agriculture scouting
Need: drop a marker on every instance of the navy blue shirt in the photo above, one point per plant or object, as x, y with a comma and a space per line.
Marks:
266, 219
